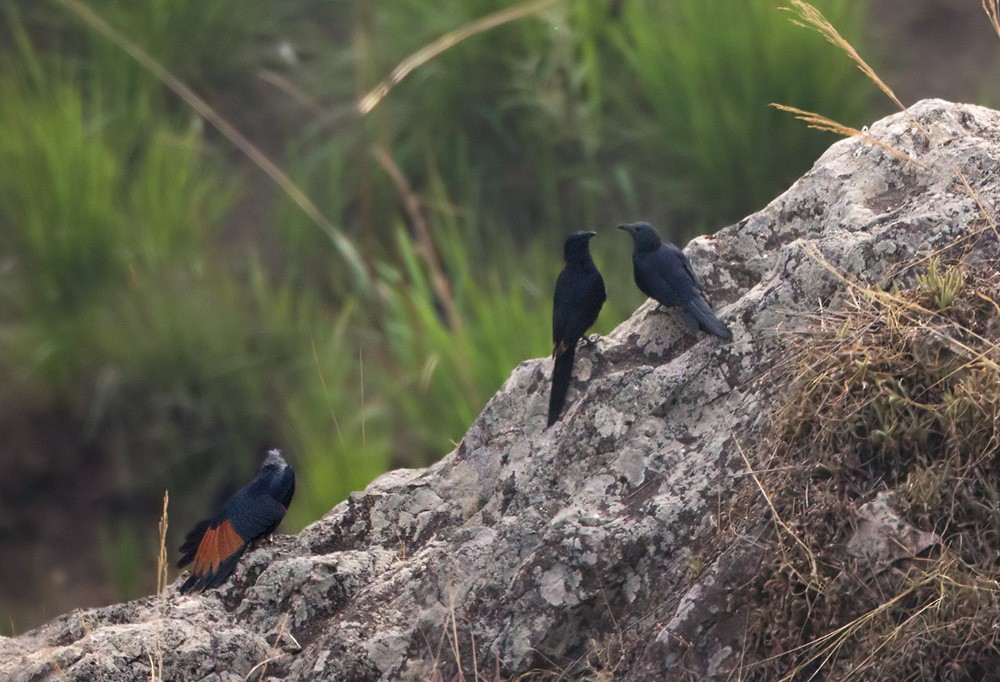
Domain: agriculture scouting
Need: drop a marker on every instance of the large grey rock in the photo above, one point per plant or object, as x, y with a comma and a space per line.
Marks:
604, 543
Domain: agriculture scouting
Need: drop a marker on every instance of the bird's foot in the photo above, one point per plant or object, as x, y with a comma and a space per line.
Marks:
261, 542
589, 340
664, 309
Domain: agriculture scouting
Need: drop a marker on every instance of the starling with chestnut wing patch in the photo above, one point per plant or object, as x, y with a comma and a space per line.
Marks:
215, 545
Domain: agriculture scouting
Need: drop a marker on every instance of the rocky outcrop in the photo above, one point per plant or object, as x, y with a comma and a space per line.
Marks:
608, 543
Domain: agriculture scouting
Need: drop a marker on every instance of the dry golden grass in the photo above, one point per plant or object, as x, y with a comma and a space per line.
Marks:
161, 559
820, 122
781, 527
258, 671
894, 391
449, 40
445, 659
992, 9
156, 658
810, 17
425, 245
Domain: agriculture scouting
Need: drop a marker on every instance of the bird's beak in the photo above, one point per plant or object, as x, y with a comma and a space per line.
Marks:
627, 228
591, 234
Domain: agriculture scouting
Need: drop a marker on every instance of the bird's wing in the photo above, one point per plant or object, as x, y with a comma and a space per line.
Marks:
661, 275
588, 300
212, 549
219, 543
254, 515
561, 309
690, 270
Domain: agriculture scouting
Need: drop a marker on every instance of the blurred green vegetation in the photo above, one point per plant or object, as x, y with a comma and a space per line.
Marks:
172, 314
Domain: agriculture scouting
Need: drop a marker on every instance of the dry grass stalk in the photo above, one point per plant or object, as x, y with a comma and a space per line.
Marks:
813, 18
964, 241
992, 9
934, 589
824, 648
327, 393
276, 652
820, 122
779, 522
58, 668
156, 662
88, 634
988, 215
445, 43
916, 314
425, 240
456, 649
161, 559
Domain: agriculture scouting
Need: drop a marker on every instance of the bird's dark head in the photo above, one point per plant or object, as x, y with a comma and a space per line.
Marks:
274, 460
277, 477
576, 249
644, 235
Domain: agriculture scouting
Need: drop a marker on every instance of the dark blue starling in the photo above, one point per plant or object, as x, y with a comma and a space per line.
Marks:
577, 301
664, 273
215, 545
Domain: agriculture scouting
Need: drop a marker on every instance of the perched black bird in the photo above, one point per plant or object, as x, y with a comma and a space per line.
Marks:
255, 510
664, 273
577, 301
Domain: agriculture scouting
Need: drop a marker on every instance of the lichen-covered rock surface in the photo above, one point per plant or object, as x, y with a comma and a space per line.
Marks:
609, 542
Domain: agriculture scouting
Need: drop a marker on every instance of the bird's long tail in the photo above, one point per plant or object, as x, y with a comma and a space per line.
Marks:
562, 373
698, 314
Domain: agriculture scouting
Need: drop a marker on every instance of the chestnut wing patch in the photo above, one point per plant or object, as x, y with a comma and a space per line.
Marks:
217, 545
213, 549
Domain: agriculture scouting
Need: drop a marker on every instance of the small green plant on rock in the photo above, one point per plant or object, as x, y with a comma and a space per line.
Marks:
940, 286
